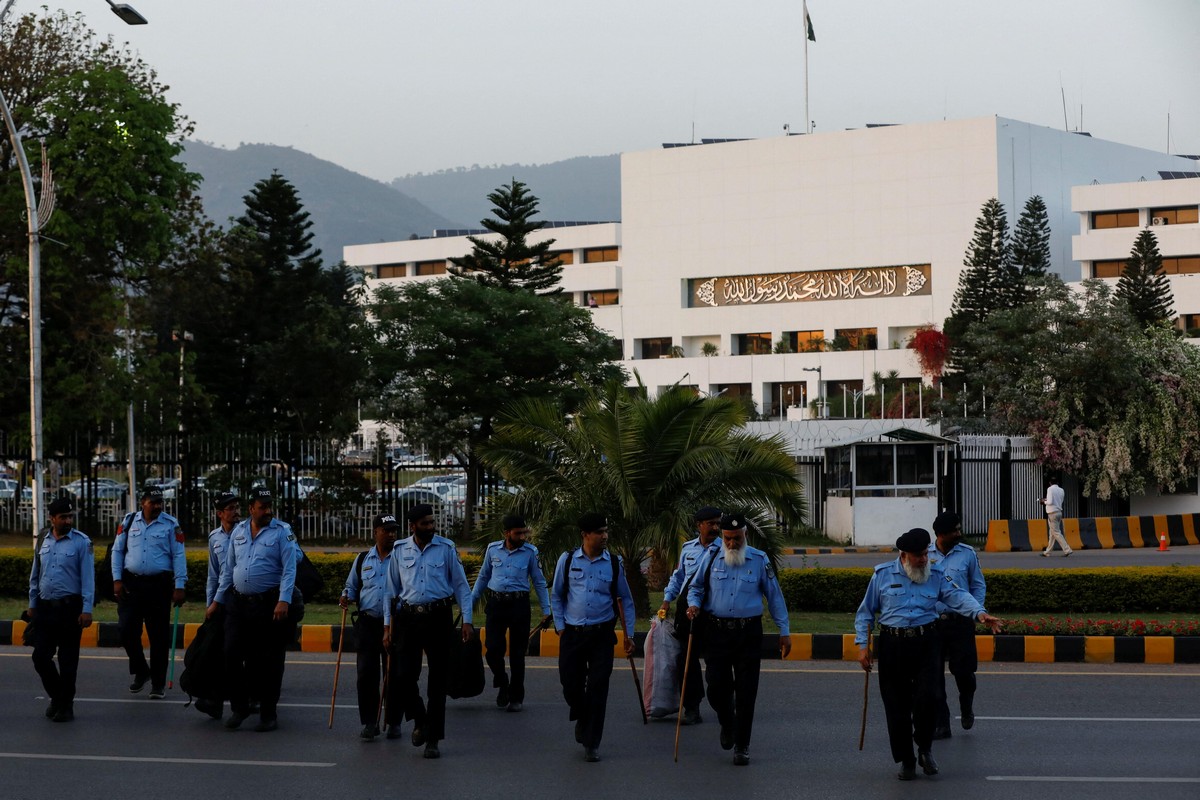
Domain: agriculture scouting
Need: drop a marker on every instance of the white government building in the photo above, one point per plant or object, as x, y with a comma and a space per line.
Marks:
841, 244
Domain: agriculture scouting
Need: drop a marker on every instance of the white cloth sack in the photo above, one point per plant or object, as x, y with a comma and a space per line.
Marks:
660, 694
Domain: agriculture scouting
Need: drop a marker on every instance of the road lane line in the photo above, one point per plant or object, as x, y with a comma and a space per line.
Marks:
1093, 719
145, 760
172, 702
1087, 779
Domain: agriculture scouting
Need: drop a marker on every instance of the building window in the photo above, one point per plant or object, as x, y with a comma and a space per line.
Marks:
786, 395
608, 297
597, 255
1114, 219
564, 257
805, 341
656, 348
753, 344
1190, 324
1108, 269
391, 271
1180, 215
431, 267
1172, 265
856, 339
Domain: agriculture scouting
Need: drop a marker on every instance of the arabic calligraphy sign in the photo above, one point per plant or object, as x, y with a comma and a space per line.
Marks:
795, 287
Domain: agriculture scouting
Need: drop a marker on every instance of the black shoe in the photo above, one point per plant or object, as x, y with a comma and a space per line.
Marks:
64, 714
431, 750
157, 693
691, 717
502, 697
139, 683
393, 731
741, 756
941, 732
726, 737
908, 771
51, 710
579, 731
235, 720
968, 718
928, 765
515, 706
214, 708
418, 736
591, 754
369, 732
266, 725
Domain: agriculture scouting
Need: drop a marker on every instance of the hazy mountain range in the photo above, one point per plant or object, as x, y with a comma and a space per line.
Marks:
348, 208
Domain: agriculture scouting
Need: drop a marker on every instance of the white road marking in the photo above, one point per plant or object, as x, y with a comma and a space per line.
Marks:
1093, 719
198, 761
174, 701
1087, 779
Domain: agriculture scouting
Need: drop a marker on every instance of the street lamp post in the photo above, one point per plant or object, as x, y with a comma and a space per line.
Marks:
820, 389
126, 13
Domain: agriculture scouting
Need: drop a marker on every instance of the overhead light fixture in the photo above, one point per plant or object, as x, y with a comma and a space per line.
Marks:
128, 14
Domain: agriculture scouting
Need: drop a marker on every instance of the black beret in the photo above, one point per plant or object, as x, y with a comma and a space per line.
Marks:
152, 493
733, 522
419, 512
224, 500
946, 522
707, 513
511, 521
263, 495
915, 541
385, 521
61, 505
592, 521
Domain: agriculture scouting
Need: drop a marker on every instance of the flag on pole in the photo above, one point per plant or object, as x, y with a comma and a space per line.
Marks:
812, 37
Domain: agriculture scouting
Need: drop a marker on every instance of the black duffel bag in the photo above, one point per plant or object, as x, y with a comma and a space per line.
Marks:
465, 678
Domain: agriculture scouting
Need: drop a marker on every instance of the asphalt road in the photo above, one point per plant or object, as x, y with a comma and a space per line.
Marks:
1127, 557
1043, 731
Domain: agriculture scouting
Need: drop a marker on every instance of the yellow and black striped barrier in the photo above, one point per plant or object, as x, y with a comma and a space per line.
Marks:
1094, 533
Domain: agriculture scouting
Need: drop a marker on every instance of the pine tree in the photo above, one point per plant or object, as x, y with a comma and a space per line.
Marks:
1143, 285
988, 281
510, 261
1031, 240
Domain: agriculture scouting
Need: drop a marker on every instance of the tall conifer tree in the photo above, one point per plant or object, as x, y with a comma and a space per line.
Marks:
511, 261
1143, 285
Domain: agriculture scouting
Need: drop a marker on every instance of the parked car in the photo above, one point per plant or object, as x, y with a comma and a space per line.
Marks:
97, 489
306, 485
8, 489
445, 513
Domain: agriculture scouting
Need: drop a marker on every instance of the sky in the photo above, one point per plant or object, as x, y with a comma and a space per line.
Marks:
392, 87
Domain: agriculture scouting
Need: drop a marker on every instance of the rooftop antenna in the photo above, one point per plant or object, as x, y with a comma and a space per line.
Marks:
1066, 127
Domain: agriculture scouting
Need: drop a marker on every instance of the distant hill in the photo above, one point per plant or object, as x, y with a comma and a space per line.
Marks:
345, 207
584, 188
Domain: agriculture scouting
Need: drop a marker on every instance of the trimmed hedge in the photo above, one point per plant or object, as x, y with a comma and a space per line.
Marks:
16, 564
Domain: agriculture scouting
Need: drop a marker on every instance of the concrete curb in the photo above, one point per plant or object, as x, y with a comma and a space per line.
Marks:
805, 646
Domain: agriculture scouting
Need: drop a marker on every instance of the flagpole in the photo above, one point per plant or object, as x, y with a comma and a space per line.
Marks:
804, 38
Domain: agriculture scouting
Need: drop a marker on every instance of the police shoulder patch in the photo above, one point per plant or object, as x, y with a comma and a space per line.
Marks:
291, 537
770, 570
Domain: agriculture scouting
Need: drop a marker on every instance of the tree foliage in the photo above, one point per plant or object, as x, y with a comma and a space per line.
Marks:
449, 354
647, 463
1105, 399
511, 261
1031, 241
1143, 286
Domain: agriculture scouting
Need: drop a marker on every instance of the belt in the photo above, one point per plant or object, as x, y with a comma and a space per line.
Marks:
606, 625
731, 623
506, 597
951, 618
269, 594
126, 574
907, 633
425, 608
60, 602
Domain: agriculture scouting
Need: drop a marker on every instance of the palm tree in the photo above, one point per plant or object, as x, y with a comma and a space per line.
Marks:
648, 464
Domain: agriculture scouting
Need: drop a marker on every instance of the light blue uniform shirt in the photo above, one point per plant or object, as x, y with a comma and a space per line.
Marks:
370, 593
67, 568
417, 576
961, 564
689, 558
218, 543
585, 597
150, 548
505, 570
899, 603
738, 592
256, 564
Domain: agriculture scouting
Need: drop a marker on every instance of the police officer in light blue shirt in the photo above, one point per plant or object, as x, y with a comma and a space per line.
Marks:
149, 570
256, 591
366, 585
961, 565
729, 589
424, 580
708, 530
508, 567
586, 606
229, 513
62, 588
904, 595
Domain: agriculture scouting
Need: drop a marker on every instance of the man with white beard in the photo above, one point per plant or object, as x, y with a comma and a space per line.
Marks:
903, 595
730, 588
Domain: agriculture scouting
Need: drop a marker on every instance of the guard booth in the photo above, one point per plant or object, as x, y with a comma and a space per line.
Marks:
879, 486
